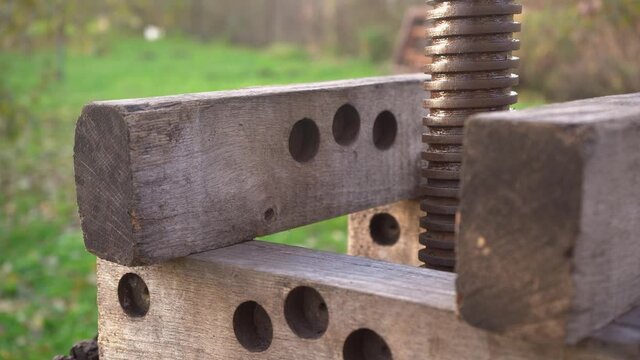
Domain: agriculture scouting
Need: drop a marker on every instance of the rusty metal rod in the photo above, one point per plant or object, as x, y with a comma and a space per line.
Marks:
471, 44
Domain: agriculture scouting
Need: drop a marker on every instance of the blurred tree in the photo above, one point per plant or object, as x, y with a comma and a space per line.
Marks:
580, 48
30, 25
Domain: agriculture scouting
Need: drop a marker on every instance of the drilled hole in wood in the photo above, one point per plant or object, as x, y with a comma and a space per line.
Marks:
384, 229
304, 140
269, 215
133, 295
346, 125
306, 312
365, 344
252, 326
385, 129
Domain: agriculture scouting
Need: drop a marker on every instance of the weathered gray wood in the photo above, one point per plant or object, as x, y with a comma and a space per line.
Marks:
165, 177
404, 251
193, 300
549, 244
625, 329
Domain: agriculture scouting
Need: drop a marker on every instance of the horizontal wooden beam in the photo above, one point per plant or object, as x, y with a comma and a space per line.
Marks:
549, 220
165, 177
259, 300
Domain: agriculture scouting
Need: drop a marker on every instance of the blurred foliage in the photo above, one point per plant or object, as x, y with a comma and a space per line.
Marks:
287, 51
29, 26
579, 49
376, 43
13, 117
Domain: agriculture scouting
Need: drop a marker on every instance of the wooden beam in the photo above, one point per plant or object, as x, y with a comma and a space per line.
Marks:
165, 177
625, 328
241, 302
388, 232
550, 217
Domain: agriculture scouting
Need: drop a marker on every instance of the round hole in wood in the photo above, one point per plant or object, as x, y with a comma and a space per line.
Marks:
346, 125
304, 140
252, 326
385, 129
384, 229
306, 312
133, 295
365, 344
269, 215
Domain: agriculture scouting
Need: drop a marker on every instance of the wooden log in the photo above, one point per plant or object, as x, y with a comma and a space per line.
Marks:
550, 217
165, 177
388, 232
265, 301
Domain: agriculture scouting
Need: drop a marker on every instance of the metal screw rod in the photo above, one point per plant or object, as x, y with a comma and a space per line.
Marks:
470, 43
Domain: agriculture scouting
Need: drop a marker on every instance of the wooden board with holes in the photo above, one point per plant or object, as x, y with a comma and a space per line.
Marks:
388, 232
165, 177
258, 300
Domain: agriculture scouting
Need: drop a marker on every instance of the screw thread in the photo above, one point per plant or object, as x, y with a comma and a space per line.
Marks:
471, 44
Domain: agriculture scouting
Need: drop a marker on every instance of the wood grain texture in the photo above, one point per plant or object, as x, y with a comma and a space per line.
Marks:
624, 329
405, 251
165, 177
193, 300
550, 217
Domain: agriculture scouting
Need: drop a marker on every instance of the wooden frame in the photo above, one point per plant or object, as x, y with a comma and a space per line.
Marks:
139, 161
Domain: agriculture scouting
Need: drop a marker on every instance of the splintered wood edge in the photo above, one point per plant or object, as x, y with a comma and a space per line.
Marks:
366, 239
193, 303
165, 177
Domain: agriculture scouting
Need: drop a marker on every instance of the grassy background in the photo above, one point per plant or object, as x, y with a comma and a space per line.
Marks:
47, 282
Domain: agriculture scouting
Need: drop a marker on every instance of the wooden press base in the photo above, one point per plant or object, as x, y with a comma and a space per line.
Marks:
358, 308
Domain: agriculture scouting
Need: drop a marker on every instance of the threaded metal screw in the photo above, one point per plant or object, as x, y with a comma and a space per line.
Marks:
471, 44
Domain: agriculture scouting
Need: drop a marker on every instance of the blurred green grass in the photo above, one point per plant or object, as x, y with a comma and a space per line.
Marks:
47, 282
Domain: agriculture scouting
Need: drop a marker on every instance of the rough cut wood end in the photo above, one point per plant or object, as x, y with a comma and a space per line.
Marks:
548, 232
264, 301
104, 186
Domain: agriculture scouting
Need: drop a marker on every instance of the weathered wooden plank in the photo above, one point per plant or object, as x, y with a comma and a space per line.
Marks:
550, 217
165, 177
625, 329
194, 303
388, 232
